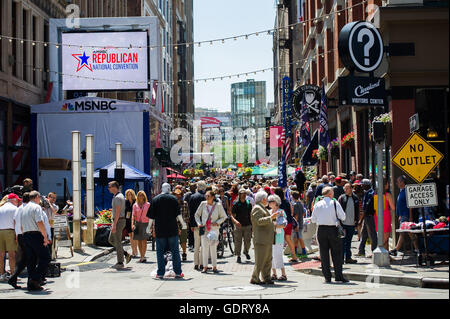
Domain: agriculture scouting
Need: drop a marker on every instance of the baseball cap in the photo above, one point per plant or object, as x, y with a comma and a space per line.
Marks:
338, 179
242, 191
13, 196
267, 189
365, 181
357, 182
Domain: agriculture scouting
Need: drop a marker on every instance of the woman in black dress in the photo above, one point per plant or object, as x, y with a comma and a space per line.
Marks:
131, 199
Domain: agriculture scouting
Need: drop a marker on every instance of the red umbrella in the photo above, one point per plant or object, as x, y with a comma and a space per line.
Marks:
177, 176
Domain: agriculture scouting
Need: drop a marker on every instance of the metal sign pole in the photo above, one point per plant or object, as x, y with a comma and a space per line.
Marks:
425, 236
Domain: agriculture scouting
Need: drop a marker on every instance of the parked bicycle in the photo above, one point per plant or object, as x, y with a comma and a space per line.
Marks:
225, 238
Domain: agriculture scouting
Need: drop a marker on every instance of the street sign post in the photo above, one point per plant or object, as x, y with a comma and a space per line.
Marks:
417, 158
414, 123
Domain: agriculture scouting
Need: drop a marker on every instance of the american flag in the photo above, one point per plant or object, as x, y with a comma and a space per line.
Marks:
286, 143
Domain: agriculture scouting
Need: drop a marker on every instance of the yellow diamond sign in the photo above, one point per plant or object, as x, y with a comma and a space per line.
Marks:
417, 157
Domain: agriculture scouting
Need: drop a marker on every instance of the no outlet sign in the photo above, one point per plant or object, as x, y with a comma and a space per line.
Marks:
421, 195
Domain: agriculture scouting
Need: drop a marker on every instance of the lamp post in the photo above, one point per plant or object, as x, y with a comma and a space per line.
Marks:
76, 186
90, 188
380, 254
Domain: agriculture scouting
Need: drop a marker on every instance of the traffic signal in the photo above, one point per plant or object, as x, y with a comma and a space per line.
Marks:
163, 156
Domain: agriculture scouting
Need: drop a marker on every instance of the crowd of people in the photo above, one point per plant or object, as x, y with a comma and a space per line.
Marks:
189, 215
27, 234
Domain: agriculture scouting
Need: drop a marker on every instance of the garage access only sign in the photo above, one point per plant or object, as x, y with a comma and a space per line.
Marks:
421, 195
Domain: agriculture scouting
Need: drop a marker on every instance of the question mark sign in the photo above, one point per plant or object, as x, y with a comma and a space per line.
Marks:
368, 45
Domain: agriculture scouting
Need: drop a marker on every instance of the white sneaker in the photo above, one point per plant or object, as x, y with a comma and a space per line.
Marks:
3, 277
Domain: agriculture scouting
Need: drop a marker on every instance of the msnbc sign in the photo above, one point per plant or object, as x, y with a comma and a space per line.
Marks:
105, 61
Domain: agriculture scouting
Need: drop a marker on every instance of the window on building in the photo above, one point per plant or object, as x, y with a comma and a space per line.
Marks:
1, 32
34, 48
14, 34
25, 49
2, 146
45, 74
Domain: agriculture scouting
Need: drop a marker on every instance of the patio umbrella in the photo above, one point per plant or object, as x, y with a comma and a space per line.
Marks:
176, 176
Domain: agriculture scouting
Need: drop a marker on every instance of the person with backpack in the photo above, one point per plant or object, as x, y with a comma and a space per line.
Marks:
241, 217
367, 219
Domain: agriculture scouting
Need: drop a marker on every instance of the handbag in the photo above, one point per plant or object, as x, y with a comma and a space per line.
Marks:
203, 229
341, 230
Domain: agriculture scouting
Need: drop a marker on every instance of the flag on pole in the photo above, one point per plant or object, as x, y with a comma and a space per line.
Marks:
305, 133
324, 138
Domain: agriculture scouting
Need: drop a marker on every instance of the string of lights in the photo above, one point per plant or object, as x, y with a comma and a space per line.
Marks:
188, 82
188, 44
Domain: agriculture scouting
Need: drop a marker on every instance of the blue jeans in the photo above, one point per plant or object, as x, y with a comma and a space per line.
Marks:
168, 244
347, 242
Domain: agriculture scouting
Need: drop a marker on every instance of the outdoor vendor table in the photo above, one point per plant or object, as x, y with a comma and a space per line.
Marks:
437, 247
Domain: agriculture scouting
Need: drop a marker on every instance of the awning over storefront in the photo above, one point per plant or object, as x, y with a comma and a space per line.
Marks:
307, 159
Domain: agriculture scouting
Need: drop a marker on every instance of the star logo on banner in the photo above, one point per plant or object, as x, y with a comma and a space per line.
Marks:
82, 61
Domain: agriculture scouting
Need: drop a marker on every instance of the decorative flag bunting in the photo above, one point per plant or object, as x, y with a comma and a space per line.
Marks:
324, 138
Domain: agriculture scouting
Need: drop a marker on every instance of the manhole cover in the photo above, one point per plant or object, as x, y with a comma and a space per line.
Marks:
240, 288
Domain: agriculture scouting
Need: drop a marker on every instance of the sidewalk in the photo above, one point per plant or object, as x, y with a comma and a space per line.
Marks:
87, 254
404, 273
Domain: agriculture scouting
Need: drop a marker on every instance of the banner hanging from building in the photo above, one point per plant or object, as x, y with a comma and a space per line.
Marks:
324, 139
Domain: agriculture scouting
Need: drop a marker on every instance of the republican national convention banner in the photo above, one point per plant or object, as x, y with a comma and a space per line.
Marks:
105, 61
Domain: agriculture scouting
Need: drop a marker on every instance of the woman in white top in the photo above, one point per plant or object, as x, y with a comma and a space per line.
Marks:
210, 214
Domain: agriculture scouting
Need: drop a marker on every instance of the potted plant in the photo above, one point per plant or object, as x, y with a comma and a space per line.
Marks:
105, 217
248, 172
387, 120
322, 153
333, 148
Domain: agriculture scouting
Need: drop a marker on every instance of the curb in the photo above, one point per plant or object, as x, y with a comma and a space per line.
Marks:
417, 282
104, 252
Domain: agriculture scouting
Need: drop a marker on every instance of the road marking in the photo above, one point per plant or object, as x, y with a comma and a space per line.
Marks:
80, 264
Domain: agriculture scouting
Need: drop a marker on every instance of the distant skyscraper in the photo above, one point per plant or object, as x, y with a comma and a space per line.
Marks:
248, 104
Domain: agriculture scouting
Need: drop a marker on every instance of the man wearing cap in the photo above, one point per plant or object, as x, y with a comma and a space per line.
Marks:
367, 219
164, 211
241, 216
338, 189
352, 177
7, 234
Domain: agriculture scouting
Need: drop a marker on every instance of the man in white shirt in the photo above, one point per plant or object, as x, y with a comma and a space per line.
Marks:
35, 240
21, 252
325, 214
7, 234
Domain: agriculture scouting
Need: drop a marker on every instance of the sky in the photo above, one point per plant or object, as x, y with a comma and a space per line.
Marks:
216, 19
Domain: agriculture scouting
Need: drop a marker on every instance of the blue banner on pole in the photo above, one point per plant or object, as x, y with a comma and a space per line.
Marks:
324, 138
282, 178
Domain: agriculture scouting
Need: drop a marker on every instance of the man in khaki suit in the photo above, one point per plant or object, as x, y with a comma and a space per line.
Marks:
263, 239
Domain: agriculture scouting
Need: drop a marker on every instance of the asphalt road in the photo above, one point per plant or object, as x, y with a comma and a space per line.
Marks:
97, 280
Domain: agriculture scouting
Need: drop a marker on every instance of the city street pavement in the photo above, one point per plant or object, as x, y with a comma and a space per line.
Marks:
95, 279
403, 270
